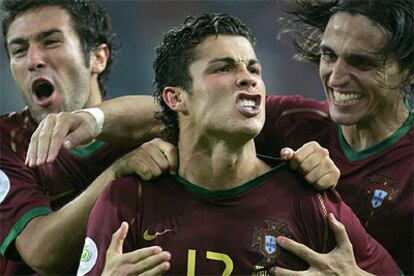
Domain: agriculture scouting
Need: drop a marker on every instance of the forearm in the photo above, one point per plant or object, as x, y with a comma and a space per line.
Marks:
52, 244
130, 119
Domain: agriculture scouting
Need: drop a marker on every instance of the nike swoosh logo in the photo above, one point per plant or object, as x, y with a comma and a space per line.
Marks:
150, 237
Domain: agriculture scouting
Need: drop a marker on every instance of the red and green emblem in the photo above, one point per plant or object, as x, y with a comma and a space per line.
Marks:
265, 239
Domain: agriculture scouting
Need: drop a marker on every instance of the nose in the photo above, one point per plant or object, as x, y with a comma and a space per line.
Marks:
245, 78
35, 58
339, 74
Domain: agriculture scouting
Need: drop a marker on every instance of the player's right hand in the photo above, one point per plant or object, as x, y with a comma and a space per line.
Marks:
67, 129
145, 261
149, 161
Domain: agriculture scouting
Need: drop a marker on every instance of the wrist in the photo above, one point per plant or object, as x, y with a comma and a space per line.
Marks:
97, 114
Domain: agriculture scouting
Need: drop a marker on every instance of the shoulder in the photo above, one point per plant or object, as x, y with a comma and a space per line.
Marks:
124, 188
16, 130
291, 182
297, 104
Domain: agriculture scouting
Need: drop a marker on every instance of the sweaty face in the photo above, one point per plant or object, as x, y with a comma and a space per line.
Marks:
228, 92
47, 62
358, 85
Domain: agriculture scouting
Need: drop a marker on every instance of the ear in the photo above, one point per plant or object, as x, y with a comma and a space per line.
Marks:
174, 98
99, 58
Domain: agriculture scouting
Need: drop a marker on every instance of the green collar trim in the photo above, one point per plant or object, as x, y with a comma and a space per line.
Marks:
229, 192
359, 155
20, 224
83, 152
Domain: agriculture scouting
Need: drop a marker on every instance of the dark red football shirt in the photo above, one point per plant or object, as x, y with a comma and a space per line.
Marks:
230, 231
377, 183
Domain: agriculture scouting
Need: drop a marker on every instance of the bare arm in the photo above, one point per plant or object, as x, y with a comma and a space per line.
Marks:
52, 244
128, 120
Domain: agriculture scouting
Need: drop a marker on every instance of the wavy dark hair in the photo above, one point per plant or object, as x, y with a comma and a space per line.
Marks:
91, 22
176, 53
310, 18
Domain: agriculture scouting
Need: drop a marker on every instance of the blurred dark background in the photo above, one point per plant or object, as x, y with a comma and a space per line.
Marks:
139, 26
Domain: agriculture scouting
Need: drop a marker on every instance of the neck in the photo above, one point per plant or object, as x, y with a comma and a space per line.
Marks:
95, 97
364, 135
218, 165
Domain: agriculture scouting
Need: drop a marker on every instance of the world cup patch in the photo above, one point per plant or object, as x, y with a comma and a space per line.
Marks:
4, 185
265, 239
88, 257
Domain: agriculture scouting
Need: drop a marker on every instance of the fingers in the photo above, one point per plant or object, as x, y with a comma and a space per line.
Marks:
284, 272
118, 239
148, 260
299, 250
150, 160
155, 264
31, 154
287, 153
159, 269
170, 152
341, 236
328, 180
46, 141
56, 130
82, 129
302, 153
314, 163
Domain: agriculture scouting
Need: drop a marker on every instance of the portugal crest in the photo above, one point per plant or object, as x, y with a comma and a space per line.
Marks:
265, 239
380, 192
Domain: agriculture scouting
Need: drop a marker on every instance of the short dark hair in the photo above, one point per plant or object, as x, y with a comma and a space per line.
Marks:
90, 20
310, 18
176, 53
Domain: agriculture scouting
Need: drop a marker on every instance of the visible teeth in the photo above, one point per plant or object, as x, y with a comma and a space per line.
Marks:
346, 97
248, 103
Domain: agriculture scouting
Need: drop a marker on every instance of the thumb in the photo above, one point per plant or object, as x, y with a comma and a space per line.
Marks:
118, 238
80, 136
287, 153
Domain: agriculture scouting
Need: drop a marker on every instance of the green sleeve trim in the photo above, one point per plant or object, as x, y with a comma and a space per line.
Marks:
20, 224
395, 137
83, 152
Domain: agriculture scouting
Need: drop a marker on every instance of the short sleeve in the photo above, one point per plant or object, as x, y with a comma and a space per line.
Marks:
21, 197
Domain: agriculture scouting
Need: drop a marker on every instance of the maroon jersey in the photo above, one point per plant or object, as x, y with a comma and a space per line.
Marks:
377, 183
225, 232
27, 193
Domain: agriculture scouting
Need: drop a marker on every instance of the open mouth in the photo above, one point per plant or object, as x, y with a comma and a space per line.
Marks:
249, 104
346, 98
43, 89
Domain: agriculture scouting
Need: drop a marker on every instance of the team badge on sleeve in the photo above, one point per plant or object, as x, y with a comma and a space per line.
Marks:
88, 258
4, 185
265, 239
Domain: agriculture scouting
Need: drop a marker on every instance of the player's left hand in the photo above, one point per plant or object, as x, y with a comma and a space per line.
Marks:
149, 161
339, 261
314, 163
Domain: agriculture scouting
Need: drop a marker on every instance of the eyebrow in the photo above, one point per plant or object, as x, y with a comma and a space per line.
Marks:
371, 58
232, 61
38, 37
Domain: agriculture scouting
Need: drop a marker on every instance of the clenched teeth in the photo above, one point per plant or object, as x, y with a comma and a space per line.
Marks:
248, 103
346, 97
